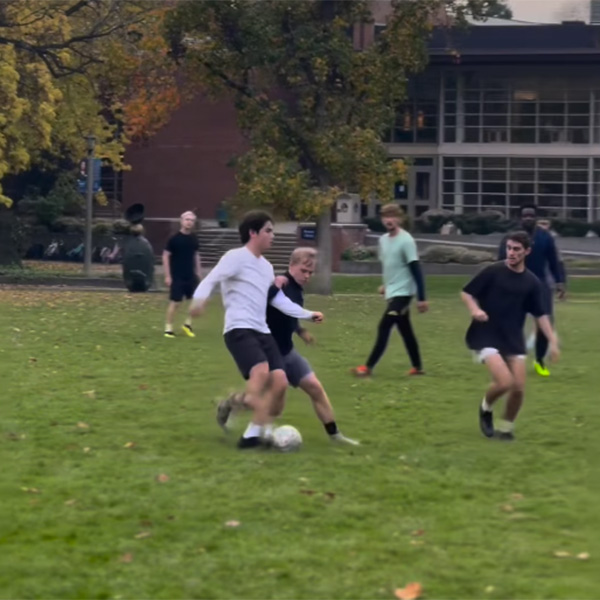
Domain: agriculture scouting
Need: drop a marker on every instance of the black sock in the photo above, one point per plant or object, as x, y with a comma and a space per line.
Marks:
331, 428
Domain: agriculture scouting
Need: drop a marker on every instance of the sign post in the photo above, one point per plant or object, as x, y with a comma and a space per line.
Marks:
89, 199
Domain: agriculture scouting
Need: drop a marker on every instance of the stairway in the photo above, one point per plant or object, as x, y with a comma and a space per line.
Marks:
215, 242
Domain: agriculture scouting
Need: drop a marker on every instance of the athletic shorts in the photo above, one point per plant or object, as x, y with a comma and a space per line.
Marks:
296, 368
250, 348
482, 355
182, 289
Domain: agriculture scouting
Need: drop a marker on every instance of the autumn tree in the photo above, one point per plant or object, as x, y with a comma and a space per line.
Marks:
312, 106
69, 68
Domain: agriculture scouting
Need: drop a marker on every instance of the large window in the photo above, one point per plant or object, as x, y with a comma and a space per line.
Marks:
417, 118
520, 111
559, 186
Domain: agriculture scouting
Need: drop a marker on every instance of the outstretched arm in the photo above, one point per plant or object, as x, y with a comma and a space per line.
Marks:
282, 303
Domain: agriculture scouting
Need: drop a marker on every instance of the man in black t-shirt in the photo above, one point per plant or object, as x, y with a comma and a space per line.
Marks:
181, 263
499, 299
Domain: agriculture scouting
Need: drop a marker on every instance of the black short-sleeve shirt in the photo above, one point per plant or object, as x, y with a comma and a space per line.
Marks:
183, 248
507, 297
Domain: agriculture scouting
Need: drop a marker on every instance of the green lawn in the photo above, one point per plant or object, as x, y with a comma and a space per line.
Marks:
96, 405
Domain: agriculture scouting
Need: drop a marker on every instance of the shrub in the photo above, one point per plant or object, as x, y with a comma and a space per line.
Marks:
358, 253
67, 225
570, 227
483, 223
120, 227
455, 254
432, 221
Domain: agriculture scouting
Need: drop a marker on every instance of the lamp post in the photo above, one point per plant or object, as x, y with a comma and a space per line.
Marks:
89, 199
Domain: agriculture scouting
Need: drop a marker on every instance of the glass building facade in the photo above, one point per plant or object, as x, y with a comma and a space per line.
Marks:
500, 138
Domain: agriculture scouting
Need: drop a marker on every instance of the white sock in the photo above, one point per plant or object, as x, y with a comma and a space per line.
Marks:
252, 430
505, 426
169, 327
268, 432
188, 321
485, 406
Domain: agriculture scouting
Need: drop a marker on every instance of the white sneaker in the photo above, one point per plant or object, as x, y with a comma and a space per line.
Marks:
340, 438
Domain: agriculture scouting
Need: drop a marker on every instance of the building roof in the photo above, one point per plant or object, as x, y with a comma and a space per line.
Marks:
565, 42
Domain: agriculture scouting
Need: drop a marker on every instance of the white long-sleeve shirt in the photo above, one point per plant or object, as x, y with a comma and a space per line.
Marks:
245, 280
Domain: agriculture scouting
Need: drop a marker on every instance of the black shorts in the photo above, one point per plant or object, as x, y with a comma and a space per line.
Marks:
181, 289
250, 348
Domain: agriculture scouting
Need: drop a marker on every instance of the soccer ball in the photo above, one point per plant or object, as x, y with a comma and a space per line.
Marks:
287, 438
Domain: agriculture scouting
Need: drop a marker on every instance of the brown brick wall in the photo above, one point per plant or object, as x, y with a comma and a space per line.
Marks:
184, 166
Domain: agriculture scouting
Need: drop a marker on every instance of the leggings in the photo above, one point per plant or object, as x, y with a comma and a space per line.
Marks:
397, 313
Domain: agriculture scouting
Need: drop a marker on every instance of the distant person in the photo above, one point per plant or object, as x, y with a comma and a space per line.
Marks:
402, 278
543, 257
181, 264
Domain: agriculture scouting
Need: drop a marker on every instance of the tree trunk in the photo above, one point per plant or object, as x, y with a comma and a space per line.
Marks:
11, 238
322, 280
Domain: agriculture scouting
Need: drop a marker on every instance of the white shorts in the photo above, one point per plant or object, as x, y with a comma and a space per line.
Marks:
482, 355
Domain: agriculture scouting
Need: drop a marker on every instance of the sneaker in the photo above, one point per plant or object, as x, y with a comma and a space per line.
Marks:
187, 329
227, 406
169, 334
252, 442
362, 371
540, 369
415, 371
505, 436
486, 422
340, 438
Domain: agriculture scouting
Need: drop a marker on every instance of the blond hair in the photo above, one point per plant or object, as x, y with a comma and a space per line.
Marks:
188, 213
303, 256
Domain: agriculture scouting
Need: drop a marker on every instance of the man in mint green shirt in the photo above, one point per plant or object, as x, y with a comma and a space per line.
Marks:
402, 279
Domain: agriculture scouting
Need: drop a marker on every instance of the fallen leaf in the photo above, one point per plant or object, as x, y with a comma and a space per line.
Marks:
145, 523
517, 497
489, 589
142, 534
126, 558
232, 524
129, 445
30, 490
86, 449
329, 495
90, 393
411, 592
307, 492
561, 554
70, 502
507, 507
32, 359
143, 386
416, 542
583, 556
162, 478
418, 532
82, 425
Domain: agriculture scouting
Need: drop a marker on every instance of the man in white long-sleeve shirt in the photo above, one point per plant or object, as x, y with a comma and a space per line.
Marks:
245, 276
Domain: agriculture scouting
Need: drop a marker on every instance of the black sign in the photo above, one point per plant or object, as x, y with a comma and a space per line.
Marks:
308, 233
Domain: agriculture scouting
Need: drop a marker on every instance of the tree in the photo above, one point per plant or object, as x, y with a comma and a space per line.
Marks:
498, 9
73, 67
313, 106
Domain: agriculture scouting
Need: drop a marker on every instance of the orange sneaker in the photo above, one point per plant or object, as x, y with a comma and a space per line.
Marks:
362, 371
415, 371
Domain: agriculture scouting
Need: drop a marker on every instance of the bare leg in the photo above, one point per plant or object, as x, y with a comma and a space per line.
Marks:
502, 378
321, 404
516, 393
171, 312
255, 397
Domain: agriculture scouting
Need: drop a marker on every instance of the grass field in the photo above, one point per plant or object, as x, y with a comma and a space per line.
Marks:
116, 482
